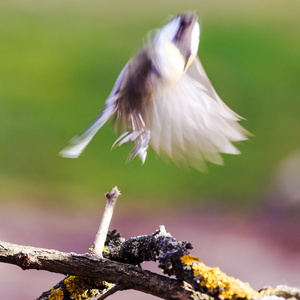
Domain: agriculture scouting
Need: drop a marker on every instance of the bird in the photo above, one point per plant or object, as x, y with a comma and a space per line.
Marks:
163, 99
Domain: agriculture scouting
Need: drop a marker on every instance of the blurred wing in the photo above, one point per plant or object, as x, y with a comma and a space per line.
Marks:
78, 144
190, 123
197, 72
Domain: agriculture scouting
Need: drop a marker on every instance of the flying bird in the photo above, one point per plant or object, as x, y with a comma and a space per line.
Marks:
163, 98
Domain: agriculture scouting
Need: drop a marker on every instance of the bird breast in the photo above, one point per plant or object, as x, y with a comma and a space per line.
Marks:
169, 62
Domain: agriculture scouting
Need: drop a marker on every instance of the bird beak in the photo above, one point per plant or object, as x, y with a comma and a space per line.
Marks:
188, 62
192, 19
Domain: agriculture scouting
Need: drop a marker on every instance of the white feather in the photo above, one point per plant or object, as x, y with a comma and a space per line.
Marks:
78, 144
189, 122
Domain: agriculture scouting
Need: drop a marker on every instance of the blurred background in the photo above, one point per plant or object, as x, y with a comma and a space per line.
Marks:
58, 63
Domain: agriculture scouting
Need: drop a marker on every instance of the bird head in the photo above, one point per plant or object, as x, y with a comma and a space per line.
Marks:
183, 31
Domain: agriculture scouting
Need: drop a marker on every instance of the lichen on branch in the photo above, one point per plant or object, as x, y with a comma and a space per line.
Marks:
90, 275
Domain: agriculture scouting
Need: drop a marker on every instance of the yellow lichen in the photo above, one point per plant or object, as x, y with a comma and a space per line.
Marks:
105, 250
84, 288
56, 294
213, 278
189, 259
91, 249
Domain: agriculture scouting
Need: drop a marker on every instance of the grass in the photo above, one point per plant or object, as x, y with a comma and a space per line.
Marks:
59, 62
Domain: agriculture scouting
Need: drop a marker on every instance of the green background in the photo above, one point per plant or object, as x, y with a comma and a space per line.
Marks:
60, 59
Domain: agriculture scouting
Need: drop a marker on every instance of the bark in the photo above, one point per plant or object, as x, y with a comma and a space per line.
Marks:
85, 265
95, 272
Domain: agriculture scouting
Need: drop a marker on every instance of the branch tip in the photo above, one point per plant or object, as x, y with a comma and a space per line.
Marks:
113, 195
104, 225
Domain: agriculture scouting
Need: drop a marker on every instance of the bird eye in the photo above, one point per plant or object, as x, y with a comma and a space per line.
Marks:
183, 23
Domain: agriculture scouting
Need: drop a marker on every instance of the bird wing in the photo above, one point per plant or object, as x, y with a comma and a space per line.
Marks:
197, 72
78, 144
190, 123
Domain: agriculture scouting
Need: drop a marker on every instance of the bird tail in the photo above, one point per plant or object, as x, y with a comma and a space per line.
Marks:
78, 143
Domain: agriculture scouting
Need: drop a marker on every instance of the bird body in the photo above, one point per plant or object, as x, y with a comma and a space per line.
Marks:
163, 98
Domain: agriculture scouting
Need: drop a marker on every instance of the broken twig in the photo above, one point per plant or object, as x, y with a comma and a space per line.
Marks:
103, 228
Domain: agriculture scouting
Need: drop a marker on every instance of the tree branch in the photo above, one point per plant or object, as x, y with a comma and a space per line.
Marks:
114, 289
194, 279
90, 274
101, 269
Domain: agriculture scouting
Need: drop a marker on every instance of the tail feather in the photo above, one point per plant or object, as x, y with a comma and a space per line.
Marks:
78, 144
